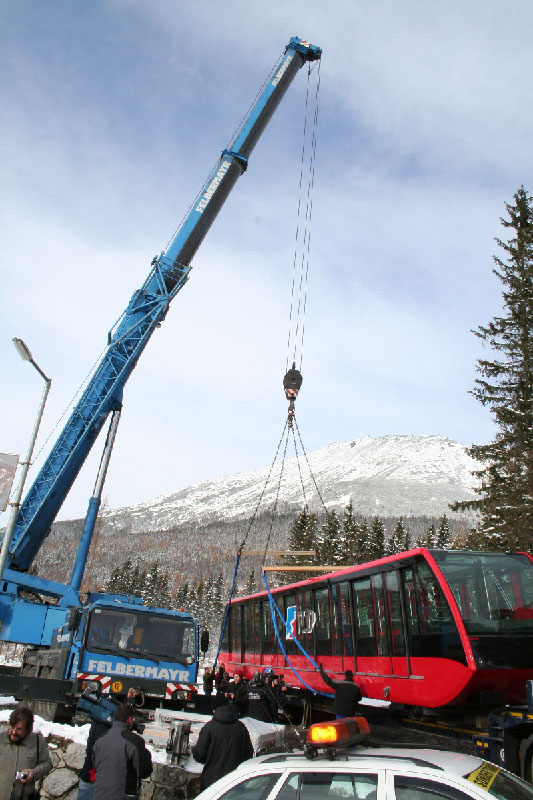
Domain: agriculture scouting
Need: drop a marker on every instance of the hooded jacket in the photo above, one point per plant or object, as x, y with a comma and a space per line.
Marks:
120, 760
223, 744
31, 753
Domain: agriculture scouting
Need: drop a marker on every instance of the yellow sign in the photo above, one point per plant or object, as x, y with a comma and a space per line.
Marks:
485, 775
116, 687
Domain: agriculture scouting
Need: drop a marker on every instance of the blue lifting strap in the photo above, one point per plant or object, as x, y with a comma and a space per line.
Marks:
274, 607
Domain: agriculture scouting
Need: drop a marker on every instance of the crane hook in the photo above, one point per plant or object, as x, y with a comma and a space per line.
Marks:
292, 383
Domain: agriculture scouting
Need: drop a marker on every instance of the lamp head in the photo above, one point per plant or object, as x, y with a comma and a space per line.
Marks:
22, 349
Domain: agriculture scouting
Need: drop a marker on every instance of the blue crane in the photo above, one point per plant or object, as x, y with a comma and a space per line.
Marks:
113, 642
146, 310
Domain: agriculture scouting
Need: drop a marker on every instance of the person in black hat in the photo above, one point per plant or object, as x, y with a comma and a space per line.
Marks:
223, 744
347, 694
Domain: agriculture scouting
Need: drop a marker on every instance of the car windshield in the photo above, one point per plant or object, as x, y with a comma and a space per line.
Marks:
499, 783
494, 591
148, 636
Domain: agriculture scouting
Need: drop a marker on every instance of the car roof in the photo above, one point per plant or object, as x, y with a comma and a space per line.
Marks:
458, 764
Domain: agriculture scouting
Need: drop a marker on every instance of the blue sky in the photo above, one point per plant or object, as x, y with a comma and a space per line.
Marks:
114, 113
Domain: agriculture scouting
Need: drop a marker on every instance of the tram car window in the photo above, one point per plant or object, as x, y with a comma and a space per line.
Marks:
394, 607
268, 635
323, 622
365, 629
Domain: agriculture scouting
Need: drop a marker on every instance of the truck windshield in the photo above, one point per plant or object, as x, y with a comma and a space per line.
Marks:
141, 635
494, 591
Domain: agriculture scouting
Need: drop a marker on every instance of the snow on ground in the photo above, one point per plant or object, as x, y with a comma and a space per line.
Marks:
7, 701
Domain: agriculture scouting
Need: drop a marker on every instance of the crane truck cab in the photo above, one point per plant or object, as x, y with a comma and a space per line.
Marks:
116, 643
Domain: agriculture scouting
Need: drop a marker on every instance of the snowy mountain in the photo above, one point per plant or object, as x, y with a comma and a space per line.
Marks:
390, 476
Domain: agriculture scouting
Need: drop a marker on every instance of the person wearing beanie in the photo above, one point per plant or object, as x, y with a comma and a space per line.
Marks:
223, 744
347, 694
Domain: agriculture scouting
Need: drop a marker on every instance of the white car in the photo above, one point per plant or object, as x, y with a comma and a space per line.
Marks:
329, 772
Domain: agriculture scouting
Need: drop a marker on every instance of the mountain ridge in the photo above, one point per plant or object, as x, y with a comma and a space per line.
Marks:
394, 475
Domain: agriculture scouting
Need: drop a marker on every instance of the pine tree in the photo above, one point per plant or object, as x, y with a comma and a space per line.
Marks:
329, 551
120, 581
350, 529
407, 540
443, 538
303, 536
113, 585
220, 599
192, 604
475, 540
505, 387
431, 537
181, 598
136, 580
362, 543
376, 543
156, 591
396, 543
209, 597
219, 604
251, 585
422, 539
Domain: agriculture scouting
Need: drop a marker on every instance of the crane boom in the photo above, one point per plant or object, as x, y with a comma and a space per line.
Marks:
146, 309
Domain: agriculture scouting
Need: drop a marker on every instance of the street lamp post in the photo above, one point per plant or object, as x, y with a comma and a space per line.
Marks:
26, 355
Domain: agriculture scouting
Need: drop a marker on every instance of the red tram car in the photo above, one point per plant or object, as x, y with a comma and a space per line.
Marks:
424, 628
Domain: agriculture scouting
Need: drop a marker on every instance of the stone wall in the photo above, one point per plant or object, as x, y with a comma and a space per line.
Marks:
165, 783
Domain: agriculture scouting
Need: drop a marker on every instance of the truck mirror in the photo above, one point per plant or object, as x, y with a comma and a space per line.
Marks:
74, 619
204, 641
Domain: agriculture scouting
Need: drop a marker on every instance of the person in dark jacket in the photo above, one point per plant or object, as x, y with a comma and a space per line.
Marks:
97, 729
223, 744
86, 785
278, 692
238, 693
347, 694
208, 681
120, 759
261, 702
219, 675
